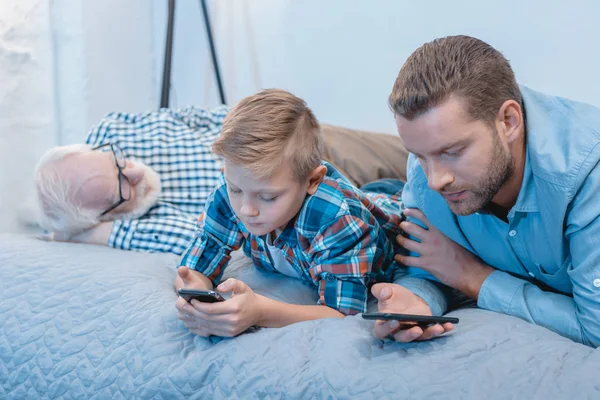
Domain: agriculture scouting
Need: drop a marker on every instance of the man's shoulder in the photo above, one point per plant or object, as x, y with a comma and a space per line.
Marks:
563, 138
416, 178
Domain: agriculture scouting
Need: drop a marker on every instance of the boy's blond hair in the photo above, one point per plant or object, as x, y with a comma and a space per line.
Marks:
269, 128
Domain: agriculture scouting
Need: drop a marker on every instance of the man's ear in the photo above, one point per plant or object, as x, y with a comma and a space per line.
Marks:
510, 118
315, 178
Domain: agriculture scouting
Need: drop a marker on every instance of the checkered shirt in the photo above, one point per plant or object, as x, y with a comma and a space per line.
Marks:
341, 242
176, 143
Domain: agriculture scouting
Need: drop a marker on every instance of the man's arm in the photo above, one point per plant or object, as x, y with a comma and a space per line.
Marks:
420, 282
165, 231
576, 317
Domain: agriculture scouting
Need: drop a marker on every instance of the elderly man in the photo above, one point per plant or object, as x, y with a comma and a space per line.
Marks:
138, 183
141, 180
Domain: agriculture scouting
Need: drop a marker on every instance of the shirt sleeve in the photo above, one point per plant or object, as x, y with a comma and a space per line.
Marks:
418, 281
166, 234
343, 253
217, 235
577, 317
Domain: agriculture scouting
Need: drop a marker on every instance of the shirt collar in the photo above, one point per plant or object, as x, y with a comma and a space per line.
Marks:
527, 200
288, 235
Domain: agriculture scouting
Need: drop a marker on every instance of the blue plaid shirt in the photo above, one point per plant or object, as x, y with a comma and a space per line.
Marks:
177, 144
341, 241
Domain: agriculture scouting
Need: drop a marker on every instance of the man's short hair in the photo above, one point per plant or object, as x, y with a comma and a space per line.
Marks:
269, 128
57, 207
463, 66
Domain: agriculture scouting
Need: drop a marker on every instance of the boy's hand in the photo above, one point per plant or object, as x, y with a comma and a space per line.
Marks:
394, 298
227, 318
191, 279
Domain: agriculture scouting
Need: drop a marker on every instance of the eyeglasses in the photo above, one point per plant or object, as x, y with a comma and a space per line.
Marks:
120, 162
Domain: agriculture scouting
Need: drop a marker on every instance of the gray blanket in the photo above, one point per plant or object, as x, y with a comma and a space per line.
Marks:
81, 321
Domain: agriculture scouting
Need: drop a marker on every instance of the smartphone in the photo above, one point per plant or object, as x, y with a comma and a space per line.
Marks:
204, 296
421, 320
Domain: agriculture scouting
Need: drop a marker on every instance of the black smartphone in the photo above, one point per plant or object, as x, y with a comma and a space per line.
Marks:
204, 296
421, 320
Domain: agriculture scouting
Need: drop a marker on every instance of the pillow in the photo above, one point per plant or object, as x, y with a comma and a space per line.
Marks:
364, 156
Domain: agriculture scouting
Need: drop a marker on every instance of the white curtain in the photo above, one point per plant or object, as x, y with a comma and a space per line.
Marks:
63, 65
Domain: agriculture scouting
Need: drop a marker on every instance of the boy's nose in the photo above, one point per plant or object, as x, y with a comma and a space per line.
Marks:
247, 210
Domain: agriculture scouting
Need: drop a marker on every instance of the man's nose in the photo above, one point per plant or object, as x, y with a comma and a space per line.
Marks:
133, 172
438, 177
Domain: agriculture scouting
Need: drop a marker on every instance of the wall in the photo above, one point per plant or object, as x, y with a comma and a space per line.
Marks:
342, 56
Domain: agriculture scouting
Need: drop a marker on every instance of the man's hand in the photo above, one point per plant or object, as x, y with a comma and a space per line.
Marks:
445, 259
227, 318
394, 298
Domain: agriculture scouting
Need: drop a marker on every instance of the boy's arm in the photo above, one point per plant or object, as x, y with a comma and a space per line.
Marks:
276, 314
344, 252
217, 235
244, 309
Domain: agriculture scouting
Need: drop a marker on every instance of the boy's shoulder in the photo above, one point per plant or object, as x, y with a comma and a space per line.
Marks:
218, 200
335, 197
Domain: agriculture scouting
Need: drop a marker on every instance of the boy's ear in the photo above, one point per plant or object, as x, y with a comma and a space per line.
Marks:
315, 178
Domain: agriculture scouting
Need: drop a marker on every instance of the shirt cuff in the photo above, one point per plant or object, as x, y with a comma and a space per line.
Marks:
427, 290
498, 291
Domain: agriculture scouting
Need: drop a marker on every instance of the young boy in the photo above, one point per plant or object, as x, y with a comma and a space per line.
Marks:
292, 213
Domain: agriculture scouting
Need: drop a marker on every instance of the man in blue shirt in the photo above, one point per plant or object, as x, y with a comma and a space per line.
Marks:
502, 190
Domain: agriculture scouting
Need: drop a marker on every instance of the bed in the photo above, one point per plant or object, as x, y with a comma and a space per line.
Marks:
81, 321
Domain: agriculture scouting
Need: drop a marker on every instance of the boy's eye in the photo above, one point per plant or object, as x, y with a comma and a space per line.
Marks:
235, 191
268, 199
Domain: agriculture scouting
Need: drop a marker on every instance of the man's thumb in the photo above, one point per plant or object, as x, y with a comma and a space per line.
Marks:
382, 292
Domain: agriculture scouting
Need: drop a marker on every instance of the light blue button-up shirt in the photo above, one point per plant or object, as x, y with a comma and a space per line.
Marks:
547, 257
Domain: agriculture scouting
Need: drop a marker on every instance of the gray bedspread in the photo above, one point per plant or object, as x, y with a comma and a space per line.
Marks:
81, 321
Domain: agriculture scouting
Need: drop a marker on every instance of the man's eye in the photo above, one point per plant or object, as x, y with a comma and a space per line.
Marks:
455, 153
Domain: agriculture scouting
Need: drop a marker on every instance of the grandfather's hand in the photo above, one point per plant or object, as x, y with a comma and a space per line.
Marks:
445, 259
393, 298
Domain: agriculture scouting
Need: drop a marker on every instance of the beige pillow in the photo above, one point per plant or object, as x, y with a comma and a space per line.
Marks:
364, 156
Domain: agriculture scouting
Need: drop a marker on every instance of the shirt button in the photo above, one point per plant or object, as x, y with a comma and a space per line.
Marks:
330, 278
531, 274
597, 282
512, 233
